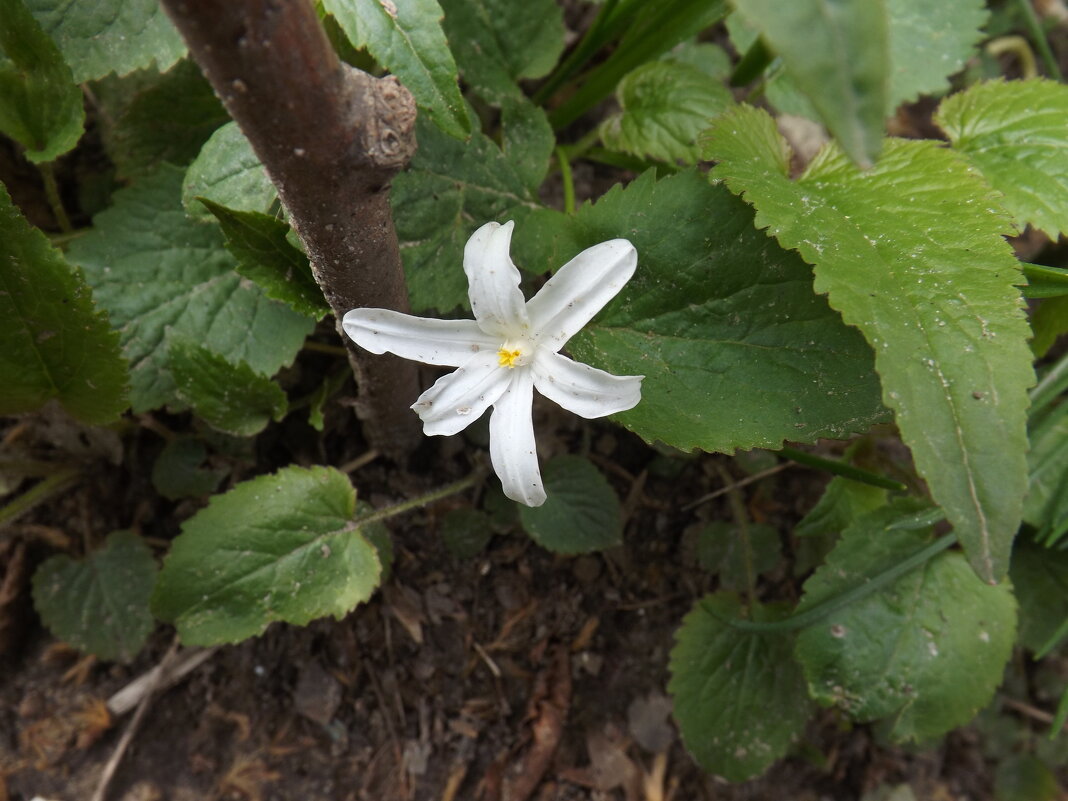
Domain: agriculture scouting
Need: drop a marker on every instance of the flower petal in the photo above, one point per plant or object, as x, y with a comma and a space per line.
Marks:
458, 399
450, 343
512, 449
579, 290
493, 282
584, 390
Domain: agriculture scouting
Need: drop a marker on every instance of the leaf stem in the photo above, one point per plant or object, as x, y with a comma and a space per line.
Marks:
1034, 27
843, 469
565, 176
54, 200
41, 492
415, 503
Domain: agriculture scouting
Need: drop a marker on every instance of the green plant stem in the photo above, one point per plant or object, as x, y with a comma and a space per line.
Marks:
415, 503
48, 488
54, 200
568, 181
753, 63
30, 468
1038, 35
844, 470
831, 605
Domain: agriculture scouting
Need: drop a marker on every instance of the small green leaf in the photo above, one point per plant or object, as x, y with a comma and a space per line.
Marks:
278, 547
736, 349
664, 105
229, 173
1014, 134
711, 59
232, 398
724, 681
54, 343
1046, 506
466, 532
498, 42
926, 651
838, 54
728, 552
99, 605
581, 513
178, 472
105, 36
450, 189
1049, 321
405, 37
264, 255
842, 503
40, 105
160, 274
1024, 777
1040, 576
912, 253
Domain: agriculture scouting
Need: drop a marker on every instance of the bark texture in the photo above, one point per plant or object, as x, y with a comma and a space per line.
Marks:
331, 138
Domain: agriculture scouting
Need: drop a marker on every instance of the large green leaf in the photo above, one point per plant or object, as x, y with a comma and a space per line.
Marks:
100, 604
497, 42
736, 349
838, 53
912, 254
227, 172
927, 650
278, 547
1014, 133
405, 37
53, 342
581, 512
40, 105
664, 105
724, 682
158, 273
105, 36
451, 189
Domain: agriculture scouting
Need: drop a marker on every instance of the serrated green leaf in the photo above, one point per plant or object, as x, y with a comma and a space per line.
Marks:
152, 118
725, 550
228, 172
106, 36
724, 681
1014, 134
40, 105
54, 343
450, 189
838, 54
664, 105
736, 349
581, 513
711, 59
405, 37
100, 604
278, 547
1040, 577
498, 42
527, 141
158, 273
1046, 506
840, 505
928, 43
926, 651
232, 398
265, 255
178, 472
912, 254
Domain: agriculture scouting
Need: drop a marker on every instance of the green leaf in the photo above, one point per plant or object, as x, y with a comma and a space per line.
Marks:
232, 398
838, 55
1049, 321
1014, 134
99, 605
264, 255
928, 43
54, 343
728, 552
581, 513
405, 37
840, 505
178, 473
450, 189
1024, 777
152, 118
926, 651
736, 349
1046, 506
278, 547
466, 532
912, 254
724, 681
1040, 577
40, 105
160, 274
498, 42
711, 59
527, 141
105, 36
664, 105
229, 173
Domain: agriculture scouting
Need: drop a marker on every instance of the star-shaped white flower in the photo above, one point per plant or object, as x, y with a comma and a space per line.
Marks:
509, 349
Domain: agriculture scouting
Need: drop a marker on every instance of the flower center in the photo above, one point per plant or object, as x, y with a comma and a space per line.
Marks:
508, 358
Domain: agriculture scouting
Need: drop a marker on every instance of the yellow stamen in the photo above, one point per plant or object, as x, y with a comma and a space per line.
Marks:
507, 358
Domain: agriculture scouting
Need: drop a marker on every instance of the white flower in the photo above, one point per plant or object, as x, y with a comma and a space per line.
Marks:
509, 349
